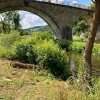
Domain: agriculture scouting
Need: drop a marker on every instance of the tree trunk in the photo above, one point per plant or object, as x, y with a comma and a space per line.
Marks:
90, 43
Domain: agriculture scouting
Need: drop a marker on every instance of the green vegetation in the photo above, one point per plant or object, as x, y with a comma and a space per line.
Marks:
92, 6
50, 77
39, 49
35, 29
52, 64
78, 45
25, 84
9, 20
6, 42
80, 26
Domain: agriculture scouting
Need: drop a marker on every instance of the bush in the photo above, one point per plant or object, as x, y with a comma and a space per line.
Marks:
24, 51
38, 49
65, 44
53, 58
46, 54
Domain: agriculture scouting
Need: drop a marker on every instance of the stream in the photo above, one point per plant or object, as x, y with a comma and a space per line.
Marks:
77, 60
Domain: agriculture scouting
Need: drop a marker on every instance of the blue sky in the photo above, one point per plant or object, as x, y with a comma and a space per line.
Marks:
31, 20
85, 2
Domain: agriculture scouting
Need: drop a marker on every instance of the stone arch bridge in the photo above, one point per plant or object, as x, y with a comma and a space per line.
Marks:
58, 17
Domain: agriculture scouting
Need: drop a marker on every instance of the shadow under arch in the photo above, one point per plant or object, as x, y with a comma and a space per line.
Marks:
68, 30
47, 18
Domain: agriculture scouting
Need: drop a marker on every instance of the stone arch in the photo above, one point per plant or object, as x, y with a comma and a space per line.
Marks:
42, 14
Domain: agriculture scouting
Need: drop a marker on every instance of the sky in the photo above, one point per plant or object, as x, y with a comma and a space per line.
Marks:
84, 2
29, 20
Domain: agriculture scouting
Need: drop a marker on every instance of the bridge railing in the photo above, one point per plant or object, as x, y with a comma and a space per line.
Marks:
61, 2
78, 5
53, 1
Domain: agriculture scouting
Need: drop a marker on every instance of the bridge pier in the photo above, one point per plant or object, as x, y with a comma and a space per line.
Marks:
67, 33
64, 37
64, 33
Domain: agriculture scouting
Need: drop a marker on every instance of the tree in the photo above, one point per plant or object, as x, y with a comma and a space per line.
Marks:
80, 26
10, 20
92, 6
16, 20
5, 27
6, 22
90, 42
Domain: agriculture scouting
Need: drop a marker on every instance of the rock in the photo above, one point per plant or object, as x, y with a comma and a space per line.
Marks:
21, 65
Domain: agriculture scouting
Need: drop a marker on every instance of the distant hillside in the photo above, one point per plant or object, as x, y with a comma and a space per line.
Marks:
37, 29
40, 28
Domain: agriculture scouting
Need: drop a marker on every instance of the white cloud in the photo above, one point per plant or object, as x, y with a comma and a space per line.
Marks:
74, 1
30, 20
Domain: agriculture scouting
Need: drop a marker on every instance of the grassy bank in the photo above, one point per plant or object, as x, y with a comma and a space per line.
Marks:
48, 80
78, 45
26, 84
39, 49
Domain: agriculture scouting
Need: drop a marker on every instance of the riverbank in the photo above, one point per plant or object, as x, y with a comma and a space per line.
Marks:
26, 84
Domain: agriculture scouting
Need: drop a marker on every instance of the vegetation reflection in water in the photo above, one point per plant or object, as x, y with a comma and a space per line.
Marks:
78, 61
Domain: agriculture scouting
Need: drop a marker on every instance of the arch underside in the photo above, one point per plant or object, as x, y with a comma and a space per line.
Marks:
46, 17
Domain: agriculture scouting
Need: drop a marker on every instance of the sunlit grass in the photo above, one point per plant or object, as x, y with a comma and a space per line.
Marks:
37, 84
24, 84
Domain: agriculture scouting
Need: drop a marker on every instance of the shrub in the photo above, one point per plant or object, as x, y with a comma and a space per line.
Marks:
65, 44
46, 54
40, 50
24, 51
53, 58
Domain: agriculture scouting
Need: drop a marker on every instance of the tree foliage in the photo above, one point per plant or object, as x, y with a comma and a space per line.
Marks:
80, 26
10, 20
16, 20
92, 6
